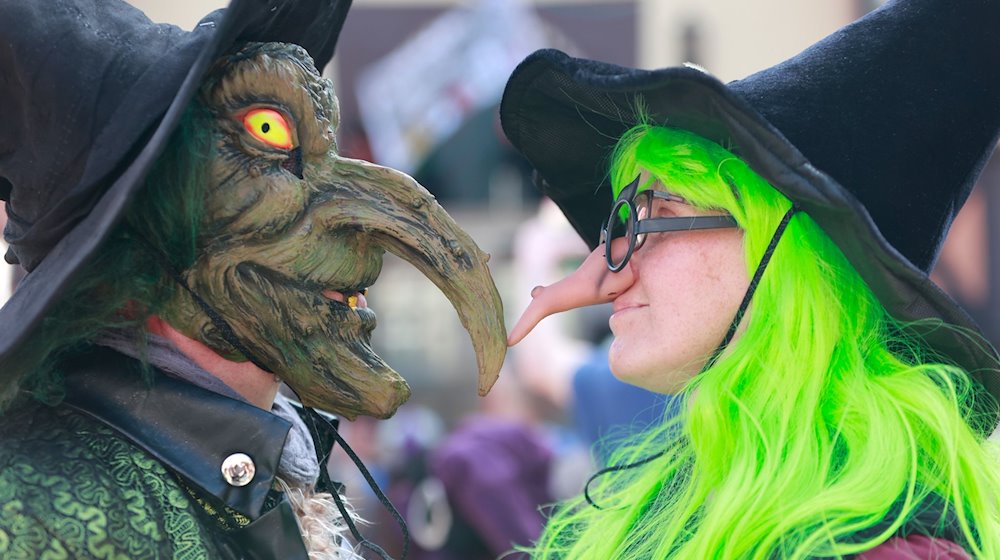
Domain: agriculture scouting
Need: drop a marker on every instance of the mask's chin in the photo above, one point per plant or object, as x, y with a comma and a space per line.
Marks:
300, 331
334, 366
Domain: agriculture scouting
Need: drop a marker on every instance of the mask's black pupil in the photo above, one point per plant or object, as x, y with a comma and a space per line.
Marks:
265, 128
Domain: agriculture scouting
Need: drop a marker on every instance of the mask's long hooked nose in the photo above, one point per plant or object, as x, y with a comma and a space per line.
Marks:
398, 214
590, 284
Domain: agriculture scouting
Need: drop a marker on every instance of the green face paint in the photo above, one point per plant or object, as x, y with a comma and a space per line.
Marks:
278, 251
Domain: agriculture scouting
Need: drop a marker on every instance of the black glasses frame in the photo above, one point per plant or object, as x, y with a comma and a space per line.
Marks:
636, 228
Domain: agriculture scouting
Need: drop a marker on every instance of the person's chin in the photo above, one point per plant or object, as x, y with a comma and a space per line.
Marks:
654, 379
627, 371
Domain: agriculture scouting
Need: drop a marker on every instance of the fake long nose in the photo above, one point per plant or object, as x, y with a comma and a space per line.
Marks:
590, 284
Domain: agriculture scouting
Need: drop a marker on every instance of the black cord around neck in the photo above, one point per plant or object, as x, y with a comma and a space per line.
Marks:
752, 288
320, 426
615, 468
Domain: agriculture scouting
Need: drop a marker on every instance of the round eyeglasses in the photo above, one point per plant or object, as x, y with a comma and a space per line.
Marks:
630, 219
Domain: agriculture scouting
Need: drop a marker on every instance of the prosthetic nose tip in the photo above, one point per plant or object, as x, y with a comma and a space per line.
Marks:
590, 284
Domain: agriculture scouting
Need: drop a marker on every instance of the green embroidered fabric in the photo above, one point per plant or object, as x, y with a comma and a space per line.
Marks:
71, 487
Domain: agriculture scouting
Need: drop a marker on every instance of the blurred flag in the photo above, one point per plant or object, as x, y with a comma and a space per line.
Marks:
418, 95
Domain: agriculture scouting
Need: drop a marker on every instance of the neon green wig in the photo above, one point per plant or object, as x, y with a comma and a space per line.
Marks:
818, 422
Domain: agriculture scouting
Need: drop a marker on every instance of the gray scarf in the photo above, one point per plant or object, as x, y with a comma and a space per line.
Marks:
298, 466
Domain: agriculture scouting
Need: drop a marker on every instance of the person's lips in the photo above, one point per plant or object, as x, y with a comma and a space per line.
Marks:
620, 306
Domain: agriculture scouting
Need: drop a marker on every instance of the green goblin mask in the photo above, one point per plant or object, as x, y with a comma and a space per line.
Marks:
293, 234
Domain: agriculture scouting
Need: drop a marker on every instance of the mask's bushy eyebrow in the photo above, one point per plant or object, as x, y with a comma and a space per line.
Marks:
280, 75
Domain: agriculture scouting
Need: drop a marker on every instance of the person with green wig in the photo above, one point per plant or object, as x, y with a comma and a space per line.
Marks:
767, 250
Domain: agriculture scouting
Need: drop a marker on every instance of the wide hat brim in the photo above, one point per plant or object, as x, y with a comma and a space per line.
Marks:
166, 90
566, 114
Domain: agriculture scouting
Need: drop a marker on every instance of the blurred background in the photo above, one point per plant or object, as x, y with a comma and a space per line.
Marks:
419, 83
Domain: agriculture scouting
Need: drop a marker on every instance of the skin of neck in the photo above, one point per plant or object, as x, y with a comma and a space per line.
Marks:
252, 383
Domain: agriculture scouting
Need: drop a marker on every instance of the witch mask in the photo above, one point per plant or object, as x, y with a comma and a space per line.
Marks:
293, 234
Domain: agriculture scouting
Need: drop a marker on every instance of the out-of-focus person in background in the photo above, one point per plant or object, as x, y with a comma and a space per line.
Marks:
767, 251
478, 491
545, 249
607, 410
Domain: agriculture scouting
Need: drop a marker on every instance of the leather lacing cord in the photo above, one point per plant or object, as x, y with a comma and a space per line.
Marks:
752, 288
315, 422
737, 319
318, 424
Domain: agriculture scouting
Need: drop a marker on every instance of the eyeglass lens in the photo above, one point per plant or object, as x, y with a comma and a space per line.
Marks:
621, 223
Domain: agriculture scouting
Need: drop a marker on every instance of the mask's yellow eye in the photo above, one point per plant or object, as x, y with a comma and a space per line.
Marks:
270, 127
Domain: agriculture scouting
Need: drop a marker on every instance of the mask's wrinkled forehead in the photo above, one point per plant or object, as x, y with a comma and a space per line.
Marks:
277, 74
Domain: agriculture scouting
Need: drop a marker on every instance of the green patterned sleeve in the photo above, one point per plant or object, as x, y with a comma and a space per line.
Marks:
71, 488
24, 537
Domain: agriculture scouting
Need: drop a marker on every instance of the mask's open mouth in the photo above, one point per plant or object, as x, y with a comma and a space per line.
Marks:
351, 298
356, 303
344, 299
347, 304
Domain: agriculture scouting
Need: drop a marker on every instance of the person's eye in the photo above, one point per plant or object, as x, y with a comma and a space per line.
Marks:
665, 209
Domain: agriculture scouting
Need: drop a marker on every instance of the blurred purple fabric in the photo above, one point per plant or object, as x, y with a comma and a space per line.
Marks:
496, 473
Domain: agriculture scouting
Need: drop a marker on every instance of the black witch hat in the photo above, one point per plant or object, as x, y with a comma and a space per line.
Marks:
878, 132
90, 92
